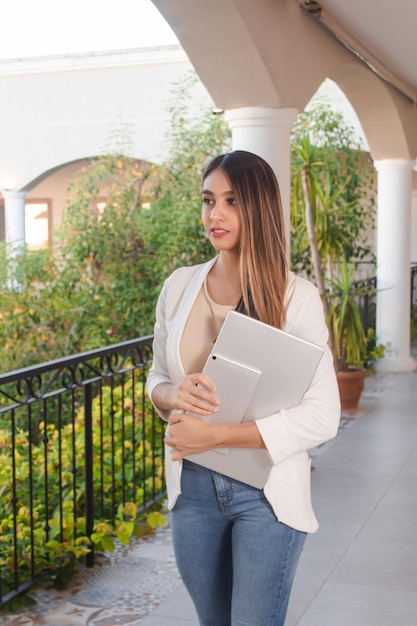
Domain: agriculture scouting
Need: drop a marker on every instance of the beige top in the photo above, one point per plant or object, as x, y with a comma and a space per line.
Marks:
201, 331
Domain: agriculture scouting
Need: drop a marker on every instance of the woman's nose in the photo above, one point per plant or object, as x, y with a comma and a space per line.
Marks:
215, 213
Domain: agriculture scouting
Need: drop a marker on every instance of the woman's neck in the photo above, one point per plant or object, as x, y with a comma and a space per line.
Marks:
223, 280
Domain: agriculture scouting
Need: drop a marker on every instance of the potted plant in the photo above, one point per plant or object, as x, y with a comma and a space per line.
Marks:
349, 340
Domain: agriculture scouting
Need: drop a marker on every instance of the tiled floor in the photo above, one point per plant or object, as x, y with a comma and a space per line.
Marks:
360, 567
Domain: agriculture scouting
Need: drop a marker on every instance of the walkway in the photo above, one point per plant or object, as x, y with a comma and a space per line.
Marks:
360, 567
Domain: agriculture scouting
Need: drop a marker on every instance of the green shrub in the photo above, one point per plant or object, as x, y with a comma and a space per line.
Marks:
47, 518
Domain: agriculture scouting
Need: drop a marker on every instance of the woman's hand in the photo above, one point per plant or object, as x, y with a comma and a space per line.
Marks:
195, 394
189, 435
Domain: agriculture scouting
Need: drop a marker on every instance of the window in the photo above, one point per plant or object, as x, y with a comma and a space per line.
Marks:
37, 224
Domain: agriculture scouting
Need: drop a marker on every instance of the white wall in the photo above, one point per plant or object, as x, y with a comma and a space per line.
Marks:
59, 109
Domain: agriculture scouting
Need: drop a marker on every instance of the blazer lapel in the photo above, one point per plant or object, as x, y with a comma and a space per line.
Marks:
185, 296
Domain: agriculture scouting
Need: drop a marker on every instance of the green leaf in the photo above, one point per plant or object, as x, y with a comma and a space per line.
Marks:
156, 519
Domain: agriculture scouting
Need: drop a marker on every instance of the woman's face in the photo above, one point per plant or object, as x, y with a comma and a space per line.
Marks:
221, 217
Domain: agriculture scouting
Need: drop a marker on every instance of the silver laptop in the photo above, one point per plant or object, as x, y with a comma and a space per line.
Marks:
272, 371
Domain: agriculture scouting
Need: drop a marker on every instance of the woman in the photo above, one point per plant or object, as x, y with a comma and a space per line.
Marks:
237, 547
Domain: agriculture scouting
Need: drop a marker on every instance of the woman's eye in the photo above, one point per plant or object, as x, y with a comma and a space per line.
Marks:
208, 201
231, 201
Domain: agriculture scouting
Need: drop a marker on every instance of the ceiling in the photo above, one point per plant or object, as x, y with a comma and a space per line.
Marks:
382, 32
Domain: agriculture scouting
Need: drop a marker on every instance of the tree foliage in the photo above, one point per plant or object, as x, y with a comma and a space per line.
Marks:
172, 227
332, 213
335, 177
128, 224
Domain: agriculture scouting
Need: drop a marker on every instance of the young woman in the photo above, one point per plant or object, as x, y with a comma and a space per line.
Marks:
237, 547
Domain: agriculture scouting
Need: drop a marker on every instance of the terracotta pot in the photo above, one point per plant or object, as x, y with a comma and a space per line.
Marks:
351, 384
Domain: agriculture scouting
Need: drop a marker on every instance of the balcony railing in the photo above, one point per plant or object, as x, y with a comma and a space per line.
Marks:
413, 288
367, 302
78, 440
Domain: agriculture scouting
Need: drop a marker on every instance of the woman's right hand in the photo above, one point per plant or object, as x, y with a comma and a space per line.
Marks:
194, 394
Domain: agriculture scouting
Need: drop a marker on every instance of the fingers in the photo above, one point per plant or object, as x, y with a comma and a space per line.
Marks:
196, 395
205, 381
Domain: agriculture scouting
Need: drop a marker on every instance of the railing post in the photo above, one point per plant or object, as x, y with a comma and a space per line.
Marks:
88, 468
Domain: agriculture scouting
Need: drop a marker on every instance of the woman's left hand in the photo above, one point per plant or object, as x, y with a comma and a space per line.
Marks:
189, 435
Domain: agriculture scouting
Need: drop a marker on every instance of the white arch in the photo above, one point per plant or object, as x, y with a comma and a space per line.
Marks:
388, 119
59, 110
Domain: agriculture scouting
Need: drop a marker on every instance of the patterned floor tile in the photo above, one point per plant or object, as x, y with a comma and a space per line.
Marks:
69, 614
16, 620
121, 589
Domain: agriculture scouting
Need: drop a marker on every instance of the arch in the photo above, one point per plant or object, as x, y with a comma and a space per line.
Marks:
387, 117
78, 163
272, 54
267, 54
53, 185
63, 109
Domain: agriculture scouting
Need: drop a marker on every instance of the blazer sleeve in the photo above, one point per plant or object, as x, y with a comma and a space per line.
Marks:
316, 419
159, 372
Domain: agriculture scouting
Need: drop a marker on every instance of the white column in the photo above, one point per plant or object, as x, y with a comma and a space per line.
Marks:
14, 217
393, 263
414, 226
266, 132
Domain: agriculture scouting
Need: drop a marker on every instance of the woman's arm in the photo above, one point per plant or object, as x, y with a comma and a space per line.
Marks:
191, 435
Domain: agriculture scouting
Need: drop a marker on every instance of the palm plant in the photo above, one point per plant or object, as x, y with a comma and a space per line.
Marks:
344, 318
331, 210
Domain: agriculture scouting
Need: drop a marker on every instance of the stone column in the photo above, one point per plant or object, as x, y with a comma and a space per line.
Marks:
14, 217
393, 263
266, 132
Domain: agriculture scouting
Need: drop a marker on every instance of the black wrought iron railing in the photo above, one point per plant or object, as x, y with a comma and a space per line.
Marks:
367, 302
80, 445
413, 278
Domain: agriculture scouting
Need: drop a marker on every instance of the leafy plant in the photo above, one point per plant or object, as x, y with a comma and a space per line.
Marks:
332, 195
172, 228
332, 215
350, 341
42, 502
374, 349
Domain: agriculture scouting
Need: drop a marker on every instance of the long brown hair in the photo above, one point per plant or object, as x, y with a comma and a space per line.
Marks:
263, 262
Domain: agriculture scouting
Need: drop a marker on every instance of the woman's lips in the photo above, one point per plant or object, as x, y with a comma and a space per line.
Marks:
219, 232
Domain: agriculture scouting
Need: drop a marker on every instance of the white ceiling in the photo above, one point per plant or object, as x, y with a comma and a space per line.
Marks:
385, 28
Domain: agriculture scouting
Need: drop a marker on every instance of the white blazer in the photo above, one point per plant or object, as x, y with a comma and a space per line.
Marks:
287, 434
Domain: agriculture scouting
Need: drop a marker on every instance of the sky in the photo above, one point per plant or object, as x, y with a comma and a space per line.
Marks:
32, 28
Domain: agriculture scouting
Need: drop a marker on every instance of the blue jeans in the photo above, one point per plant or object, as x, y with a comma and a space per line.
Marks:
236, 560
